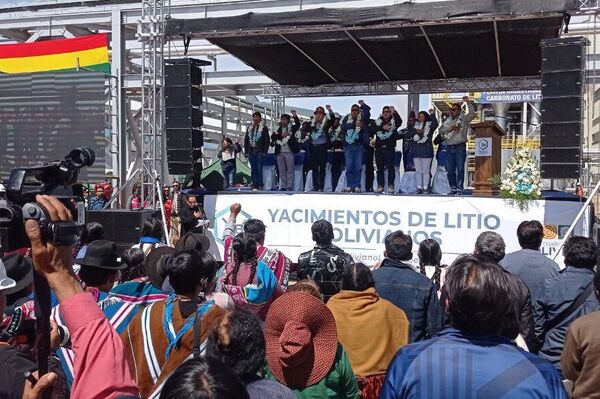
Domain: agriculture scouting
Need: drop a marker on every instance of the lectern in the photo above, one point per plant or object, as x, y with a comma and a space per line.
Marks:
488, 156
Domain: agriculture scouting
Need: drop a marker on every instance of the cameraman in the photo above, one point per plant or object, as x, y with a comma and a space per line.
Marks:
101, 370
192, 216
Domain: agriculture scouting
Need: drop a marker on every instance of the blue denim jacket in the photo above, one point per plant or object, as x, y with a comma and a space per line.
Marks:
412, 292
559, 292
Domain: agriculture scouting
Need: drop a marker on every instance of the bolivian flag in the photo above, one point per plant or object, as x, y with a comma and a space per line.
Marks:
88, 52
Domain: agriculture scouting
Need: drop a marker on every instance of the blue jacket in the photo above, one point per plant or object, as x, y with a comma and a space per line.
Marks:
412, 292
363, 134
96, 204
558, 293
454, 365
425, 150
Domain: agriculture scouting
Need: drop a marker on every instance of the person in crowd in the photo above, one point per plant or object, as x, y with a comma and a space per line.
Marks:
142, 284
19, 311
303, 135
101, 369
408, 182
98, 202
335, 153
90, 232
411, 291
100, 271
423, 148
196, 241
192, 216
384, 139
177, 204
455, 133
307, 286
357, 308
151, 236
228, 154
302, 349
256, 145
239, 343
369, 157
13, 363
134, 202
580, 360
353, 132
134, 259
325, 263
471, 358
250, 283
528, 263
286, 145
430, 259
440, 184
491, 245
566, 297
161, 337
167, 205
201, 378
319, 140
277, 261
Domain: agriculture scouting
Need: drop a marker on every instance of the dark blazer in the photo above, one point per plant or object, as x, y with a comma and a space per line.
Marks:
263, 142
327, 129
292, 142
390, 141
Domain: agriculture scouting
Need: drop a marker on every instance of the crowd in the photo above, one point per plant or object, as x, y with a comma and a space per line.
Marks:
349, 142
162, 321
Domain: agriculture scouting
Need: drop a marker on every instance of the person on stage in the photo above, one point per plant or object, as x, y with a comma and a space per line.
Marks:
455, 132
408, 182
256, 145
319, 141
423, 148
227, 155
353, 131
337, 152
385, 137
286, 145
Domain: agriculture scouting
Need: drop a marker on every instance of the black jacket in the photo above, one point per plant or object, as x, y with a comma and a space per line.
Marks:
292, 142
13, 364
325, 265
262, 146
523, 310
327, 128
390, 141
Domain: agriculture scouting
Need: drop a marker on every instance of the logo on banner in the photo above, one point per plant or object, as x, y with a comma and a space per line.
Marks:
221, 219
550, 232
483, 147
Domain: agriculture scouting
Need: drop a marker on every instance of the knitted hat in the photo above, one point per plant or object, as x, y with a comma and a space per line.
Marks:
301, 339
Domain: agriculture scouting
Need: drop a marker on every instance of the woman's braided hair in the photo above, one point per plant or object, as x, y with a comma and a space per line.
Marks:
244, 249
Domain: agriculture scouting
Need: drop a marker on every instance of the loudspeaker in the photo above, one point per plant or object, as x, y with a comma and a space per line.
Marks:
214, 181
563, 67
120, 225
183, 116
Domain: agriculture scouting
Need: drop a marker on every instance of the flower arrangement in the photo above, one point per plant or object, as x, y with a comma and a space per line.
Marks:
520, 182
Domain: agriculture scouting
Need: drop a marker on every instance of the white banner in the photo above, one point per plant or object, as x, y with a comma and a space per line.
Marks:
361, 222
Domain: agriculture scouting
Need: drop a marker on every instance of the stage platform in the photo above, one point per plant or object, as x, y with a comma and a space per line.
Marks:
361, 221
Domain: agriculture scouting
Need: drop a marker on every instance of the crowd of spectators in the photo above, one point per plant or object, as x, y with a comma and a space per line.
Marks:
159, 321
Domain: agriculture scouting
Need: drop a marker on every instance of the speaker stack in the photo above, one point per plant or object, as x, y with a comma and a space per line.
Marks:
121, 226
563, 80
184, 118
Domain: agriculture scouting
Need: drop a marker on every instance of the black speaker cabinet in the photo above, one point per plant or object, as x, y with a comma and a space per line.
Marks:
214, 181
563, 81
121, 226
182, 139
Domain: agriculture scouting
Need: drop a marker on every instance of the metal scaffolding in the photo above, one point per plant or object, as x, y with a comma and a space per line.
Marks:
150, 33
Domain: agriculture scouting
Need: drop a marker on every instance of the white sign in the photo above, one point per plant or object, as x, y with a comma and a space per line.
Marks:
483, 146
361, 222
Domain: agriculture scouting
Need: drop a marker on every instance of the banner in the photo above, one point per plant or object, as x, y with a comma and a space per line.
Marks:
361, 222
510, 96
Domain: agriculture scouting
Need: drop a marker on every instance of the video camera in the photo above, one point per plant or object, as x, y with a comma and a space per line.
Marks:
23, 186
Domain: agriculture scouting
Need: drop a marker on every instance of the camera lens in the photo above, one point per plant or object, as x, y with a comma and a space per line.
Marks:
81, 157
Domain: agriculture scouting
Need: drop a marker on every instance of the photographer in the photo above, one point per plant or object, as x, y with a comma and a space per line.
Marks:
100, 368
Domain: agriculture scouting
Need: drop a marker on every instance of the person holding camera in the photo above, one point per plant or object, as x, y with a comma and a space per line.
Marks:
100, 369
227, 155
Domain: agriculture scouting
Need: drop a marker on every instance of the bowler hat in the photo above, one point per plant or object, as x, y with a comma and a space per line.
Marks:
101, 254
154, 265
20, 269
